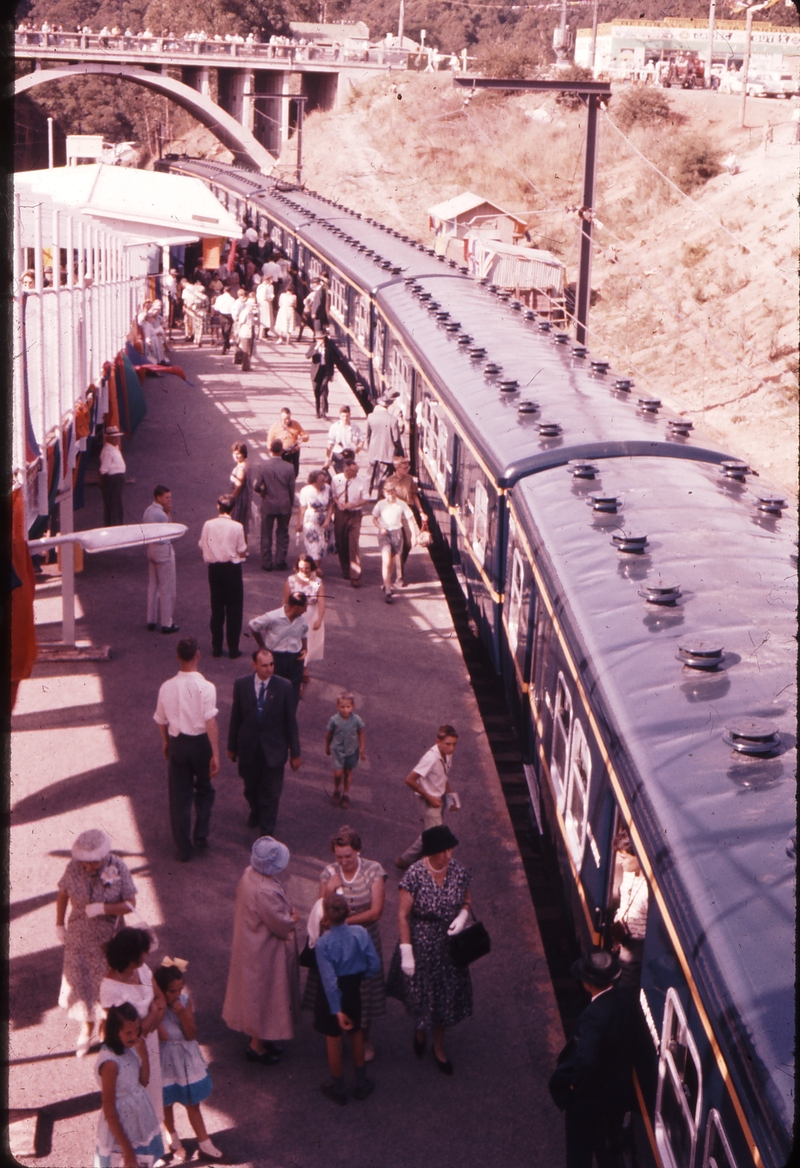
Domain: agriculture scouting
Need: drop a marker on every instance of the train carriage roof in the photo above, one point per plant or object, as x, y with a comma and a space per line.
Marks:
720, 826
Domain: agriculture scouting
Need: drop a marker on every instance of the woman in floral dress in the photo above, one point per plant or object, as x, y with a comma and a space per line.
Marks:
306, 579
98, 889
316, 511
434, 903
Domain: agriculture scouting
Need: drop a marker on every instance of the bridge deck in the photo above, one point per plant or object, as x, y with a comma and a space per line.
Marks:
86, 753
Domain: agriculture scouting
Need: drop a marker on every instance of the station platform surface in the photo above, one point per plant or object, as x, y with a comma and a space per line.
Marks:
86, 753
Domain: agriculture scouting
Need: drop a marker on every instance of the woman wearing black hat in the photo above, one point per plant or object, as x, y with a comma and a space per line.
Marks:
434, 904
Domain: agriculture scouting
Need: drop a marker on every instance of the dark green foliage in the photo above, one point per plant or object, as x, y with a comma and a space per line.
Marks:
695, 159
641, 106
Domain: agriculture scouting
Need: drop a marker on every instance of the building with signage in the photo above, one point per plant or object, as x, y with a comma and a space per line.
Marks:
626, 46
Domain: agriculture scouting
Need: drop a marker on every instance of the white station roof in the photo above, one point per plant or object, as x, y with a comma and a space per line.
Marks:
145, 204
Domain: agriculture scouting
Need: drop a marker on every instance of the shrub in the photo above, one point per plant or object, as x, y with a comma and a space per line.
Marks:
695, 159
506, 59
641, 106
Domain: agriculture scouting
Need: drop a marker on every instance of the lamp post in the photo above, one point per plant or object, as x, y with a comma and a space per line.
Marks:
593, 48
712, 12
401, 20
747, 39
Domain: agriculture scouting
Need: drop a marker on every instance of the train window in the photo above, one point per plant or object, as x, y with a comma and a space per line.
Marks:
441, 451
276, 235
576, 803
679, 1097
718, 1151
480, 529
562, 728
338, 299
361, 326
313, 266
515, 599
377, 351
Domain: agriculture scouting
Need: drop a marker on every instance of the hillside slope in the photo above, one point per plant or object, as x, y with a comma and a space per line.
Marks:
697, 320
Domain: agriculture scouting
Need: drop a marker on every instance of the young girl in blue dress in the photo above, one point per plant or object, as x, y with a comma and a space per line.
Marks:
128, 1131
185, 1074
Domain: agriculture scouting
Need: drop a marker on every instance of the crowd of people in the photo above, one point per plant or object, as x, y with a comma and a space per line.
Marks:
149, 1059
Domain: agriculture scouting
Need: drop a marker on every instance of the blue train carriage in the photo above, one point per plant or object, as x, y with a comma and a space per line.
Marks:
660, 689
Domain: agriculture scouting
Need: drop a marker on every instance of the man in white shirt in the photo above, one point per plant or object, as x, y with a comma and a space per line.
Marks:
343, 435
161, 586
350, 492
284, 631
225, 306
112, 477
186, 714
224, 549
430, 780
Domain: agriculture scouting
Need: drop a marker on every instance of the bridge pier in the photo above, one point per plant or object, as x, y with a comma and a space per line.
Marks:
197, 77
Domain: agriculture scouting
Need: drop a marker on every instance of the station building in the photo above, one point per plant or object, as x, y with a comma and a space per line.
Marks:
625, 46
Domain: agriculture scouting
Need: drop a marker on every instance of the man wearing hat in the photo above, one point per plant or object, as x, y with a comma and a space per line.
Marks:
112, 477
592, 1082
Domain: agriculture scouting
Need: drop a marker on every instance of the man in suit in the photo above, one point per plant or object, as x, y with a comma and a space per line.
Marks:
262, 733
383, 442
275, 485
592, 1082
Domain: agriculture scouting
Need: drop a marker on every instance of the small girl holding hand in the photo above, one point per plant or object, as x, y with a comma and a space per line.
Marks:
345, 741
128, 1130
185, 1074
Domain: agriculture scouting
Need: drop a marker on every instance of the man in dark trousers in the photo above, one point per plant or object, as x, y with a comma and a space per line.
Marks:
262, 732
224, 549
275, 485
592, 1082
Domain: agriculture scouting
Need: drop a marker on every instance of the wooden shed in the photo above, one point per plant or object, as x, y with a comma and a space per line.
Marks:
469, 214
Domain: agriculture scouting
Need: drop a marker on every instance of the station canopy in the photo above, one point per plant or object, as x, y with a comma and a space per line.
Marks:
145, 205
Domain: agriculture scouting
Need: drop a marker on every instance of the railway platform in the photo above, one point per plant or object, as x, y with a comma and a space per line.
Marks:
86, 753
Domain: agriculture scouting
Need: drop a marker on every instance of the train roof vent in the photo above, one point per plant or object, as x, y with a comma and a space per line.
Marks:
429, 250
477, 352
734, 468
387, 265
362, 247
629, 544
465, 340
492, 288
452, 264
415, 288
510, 385
433, 305
491, 369
453, 326
752, 736
369, 252
770, 504
579, 351
703, 655
442, 314
679, 428
529, 314
410, 281
442, 259
661, 593
600, 366
561, 338
544, 326
649, 405
609, 504
623, 384
516, 305
549, 429
528, 407
396, 269
504, 294
484, 281
579, 468
463, 269
425, 296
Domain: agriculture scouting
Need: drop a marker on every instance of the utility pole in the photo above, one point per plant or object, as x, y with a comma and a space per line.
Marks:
593, 49
593, 93
746, 66
712, 12
49, 143
401, 22
560, 38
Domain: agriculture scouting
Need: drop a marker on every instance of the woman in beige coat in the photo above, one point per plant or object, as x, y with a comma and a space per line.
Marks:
262, 997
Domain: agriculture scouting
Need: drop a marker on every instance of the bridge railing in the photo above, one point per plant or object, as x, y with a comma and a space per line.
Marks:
26, 43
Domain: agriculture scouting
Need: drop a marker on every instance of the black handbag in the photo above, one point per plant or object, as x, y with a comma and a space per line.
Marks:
470, 944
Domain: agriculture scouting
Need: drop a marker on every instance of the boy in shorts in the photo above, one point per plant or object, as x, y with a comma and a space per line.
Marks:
345, 741
345, 955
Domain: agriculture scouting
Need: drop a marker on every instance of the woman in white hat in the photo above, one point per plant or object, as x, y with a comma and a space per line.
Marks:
99, 890
262, 997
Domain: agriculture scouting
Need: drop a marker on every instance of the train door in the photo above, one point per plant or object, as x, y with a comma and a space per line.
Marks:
434, 442
516, 642
679, 1099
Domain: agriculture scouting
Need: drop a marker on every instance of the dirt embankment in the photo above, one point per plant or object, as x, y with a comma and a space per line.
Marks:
697, 300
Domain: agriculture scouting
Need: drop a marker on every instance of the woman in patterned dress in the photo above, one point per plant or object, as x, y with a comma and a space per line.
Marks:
240, 479
363, 885
98, 888
306, 579
434, 904
316, 512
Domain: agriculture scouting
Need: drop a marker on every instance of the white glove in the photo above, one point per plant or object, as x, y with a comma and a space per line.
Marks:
61, 933
407, 962
95, 910
458, 924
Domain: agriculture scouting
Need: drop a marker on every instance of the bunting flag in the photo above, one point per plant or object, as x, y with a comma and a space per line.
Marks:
23, 629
